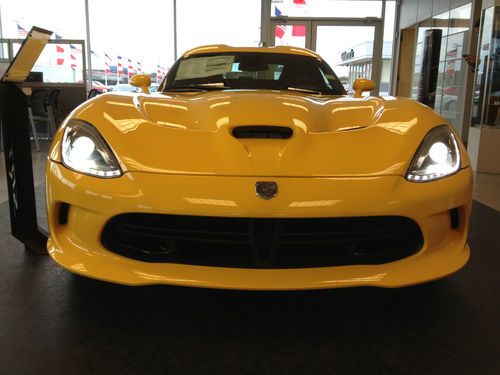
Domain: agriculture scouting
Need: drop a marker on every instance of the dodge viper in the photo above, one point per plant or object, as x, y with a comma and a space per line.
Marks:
250, 168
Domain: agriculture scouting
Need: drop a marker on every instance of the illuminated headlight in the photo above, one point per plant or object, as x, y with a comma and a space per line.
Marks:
438, 156
85, 150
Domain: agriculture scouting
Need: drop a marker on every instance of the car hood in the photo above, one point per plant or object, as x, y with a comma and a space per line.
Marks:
191, 133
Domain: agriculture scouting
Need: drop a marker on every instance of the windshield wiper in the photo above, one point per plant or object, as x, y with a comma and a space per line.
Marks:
199, 87
185, 88
304, 90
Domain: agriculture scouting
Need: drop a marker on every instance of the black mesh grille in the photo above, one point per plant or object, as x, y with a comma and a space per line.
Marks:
262, 243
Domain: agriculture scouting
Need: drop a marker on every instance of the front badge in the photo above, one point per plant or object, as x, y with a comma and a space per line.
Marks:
266, 189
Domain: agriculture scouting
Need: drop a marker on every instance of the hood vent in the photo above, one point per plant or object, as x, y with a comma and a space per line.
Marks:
262, 132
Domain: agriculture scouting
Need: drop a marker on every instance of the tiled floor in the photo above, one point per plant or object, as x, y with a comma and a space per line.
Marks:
487, 190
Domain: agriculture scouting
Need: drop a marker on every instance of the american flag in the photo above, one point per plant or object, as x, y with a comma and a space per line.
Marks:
21, 33
75, 48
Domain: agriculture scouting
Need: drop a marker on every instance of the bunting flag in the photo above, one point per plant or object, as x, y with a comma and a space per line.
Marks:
280, 31
119, 67
159, 73
290, 8
130, 68
139, 67
59, 50
21, 32
299, 30
107, 61
60, 54
73, 50
73, 61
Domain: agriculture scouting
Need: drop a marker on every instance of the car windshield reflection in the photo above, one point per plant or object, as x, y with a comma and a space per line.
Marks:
253, 70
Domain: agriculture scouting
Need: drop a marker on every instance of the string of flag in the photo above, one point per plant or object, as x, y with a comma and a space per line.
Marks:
282, 31
71, 56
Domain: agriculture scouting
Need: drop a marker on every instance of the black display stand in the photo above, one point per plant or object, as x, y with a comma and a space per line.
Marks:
19, 168
17, 147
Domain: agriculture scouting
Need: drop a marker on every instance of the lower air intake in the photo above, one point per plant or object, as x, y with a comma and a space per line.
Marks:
262, 243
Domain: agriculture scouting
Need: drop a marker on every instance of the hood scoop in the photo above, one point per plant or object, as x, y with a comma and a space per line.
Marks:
262, 132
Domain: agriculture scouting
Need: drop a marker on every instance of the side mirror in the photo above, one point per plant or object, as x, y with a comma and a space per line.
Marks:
361, 85
141, 80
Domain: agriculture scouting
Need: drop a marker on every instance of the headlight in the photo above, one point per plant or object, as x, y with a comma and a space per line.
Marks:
438, 156
85, 150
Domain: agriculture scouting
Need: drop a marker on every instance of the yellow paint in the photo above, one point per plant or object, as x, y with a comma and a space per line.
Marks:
221, 48
361, 85
347, 157
143, 81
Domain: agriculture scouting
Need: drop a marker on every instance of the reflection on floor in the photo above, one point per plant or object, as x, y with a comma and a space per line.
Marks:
39, 159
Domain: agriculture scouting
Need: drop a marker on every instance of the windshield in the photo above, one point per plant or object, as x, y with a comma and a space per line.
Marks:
253, 70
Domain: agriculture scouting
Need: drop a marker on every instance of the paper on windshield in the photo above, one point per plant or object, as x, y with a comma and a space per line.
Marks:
198, 67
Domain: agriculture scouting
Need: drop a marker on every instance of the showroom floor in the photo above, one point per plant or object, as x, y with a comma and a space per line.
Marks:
52, 322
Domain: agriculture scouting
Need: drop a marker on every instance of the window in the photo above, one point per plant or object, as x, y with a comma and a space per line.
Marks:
127, 39
326, 8
451, 79
61, 62
229, 22
18, 16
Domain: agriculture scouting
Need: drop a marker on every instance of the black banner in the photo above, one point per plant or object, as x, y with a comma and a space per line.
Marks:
430, 67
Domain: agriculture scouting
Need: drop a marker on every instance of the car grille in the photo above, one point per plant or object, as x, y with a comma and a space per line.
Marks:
262, 242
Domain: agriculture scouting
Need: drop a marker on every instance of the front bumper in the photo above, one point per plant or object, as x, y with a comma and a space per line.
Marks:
76, 245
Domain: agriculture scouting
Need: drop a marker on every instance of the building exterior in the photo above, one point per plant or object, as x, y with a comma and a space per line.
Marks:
359, 59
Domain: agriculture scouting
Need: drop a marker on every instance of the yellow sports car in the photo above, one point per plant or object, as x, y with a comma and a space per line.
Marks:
251, 168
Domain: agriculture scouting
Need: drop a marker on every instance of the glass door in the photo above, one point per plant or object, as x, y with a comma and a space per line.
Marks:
352, 47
